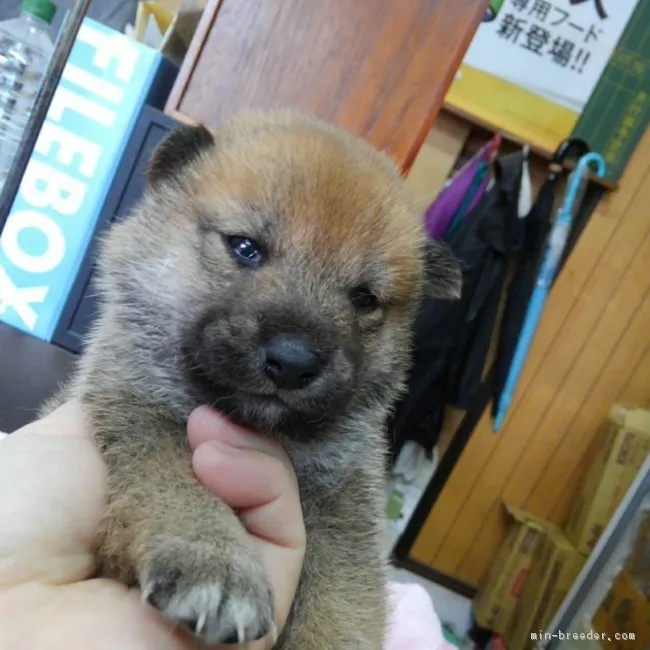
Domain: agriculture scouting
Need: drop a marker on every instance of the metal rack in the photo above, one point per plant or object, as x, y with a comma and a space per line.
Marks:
62, 48
604, 564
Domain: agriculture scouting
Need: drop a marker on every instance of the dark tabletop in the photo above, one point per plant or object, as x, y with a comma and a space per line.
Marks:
30, 372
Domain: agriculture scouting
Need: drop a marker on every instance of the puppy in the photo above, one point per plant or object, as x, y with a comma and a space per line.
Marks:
273, 271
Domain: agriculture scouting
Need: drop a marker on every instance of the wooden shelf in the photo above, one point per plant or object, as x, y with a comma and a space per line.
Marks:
546, 154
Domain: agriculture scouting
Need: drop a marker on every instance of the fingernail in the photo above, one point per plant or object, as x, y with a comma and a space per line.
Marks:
208, 416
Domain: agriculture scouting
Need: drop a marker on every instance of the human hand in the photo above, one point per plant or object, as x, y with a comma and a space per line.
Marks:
52, 495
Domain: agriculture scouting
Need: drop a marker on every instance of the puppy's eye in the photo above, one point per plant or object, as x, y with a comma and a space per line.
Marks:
363, 300
245, 251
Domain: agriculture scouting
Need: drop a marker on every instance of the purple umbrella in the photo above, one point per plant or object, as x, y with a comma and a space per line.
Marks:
442, 211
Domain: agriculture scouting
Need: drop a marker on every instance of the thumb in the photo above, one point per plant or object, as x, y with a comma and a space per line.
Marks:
259, 486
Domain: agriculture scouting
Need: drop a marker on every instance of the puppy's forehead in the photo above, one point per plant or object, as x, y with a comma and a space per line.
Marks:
308, 191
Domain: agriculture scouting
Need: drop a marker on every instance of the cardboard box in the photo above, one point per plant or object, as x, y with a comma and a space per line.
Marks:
624, 612
106, 81
167, 25
621, 447
494, 605
555, 566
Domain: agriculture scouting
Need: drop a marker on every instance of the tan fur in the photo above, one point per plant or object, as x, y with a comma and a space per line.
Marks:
332, 214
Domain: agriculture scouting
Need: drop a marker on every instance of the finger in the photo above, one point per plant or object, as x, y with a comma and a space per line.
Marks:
67, 420
207, 424
93, 614
52, 494
259, 486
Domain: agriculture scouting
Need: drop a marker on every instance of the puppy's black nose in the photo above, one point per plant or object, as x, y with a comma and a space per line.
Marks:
291, 362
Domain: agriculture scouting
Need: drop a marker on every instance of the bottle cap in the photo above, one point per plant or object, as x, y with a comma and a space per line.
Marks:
43, 9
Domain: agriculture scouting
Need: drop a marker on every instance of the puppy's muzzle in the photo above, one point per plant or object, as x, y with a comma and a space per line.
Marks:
291, 361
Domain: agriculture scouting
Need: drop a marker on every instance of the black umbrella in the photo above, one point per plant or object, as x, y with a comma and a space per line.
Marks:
537, 226
451, 338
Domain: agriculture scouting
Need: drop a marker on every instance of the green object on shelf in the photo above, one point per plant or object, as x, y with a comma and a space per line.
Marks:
395, 505
450, 637
493, 10
618, 110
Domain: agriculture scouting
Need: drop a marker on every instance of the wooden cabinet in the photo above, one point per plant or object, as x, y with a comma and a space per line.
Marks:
380, 68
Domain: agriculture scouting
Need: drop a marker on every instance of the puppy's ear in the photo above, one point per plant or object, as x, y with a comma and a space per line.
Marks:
443, 274
181, 147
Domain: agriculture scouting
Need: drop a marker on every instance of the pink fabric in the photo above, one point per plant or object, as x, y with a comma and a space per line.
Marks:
414, 624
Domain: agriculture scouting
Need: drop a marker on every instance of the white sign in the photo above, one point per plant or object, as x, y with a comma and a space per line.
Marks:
556, 49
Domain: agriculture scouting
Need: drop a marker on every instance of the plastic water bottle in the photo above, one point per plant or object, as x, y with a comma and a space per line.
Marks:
25, 51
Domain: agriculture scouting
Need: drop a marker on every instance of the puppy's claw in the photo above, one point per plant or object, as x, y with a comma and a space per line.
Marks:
145, 595
200, 623
274, 633
231, 603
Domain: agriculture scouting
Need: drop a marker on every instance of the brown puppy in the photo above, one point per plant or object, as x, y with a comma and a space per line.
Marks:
273, 271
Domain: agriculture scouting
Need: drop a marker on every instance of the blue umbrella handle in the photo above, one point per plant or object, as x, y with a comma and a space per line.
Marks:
577, 180
552, 256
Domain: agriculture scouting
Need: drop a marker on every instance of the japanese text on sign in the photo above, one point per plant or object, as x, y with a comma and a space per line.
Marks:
532, 25
555, 48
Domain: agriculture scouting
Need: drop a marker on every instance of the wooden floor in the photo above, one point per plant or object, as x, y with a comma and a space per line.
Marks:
592, 348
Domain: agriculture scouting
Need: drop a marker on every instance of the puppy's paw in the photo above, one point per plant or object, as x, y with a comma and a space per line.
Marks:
220, 594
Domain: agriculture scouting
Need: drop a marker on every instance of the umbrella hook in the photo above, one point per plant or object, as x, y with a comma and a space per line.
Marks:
571, 145
564, 149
